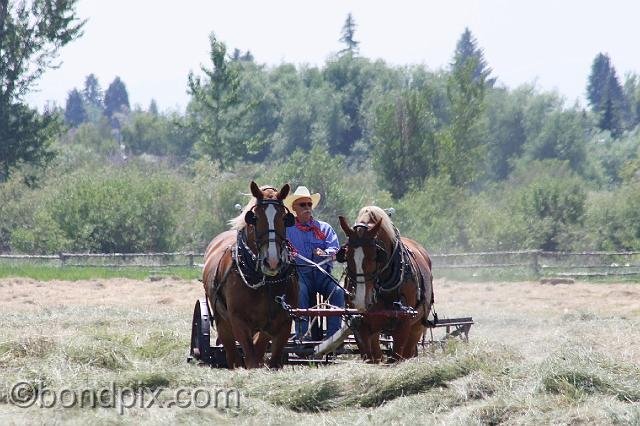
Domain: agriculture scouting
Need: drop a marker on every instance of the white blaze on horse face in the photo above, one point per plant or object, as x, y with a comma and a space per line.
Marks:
361, 288
272, 251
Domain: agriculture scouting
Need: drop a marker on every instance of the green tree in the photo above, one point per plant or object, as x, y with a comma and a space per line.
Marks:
31, 33
405, 150
347, 36
116, 98
216, 112
25, 138
467, 50
461, 143
632, 94
153, 107
74, 112
350, 78
562, 137
92, 91
506, 130
606, 96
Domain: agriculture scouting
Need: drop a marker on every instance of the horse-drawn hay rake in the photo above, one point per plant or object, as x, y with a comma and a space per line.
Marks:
250, 272
344, 342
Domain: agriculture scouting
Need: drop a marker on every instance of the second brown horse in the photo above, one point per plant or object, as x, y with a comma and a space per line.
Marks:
386, 272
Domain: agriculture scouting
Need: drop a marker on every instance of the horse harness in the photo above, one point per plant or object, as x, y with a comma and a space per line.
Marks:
246, 263
397, 269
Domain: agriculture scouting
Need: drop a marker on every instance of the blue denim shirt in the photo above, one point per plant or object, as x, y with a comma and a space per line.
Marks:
305, 242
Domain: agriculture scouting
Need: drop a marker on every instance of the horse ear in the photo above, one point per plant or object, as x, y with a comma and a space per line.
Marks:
374, 229
345, 226
256, 191
284, 191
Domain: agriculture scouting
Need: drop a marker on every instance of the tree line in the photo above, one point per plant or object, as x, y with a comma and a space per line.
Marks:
468, 162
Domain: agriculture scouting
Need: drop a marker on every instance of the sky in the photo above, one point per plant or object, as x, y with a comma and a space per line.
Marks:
152, 45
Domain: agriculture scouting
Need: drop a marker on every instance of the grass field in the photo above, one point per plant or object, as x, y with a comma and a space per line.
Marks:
539, 354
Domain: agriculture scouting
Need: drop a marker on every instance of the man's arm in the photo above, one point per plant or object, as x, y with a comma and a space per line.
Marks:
331, 241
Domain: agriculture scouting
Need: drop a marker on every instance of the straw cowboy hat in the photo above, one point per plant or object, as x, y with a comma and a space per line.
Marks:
301, 192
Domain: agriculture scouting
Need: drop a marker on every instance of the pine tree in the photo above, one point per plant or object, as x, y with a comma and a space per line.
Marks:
347, 36
92, 91
153, 107
598, 82
216, 112
247, 57
75, 113
467, 50
606, 96
461, 144
116, 98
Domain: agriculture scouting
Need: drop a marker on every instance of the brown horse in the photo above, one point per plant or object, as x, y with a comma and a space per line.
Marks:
245, 269
386, 272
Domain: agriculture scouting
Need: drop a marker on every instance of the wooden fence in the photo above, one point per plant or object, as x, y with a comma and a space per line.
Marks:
532, 262
545, 263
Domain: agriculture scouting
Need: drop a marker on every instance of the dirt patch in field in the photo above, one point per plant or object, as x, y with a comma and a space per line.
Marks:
121, 292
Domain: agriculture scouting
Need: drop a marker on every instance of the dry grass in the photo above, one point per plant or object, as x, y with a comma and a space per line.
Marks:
539, 354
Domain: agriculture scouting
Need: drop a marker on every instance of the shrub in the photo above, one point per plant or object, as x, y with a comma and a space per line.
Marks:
613, 219
434, 215
109, 210
549, 201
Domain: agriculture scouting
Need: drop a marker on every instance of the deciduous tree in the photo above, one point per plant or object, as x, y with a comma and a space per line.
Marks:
405, 150
31, 33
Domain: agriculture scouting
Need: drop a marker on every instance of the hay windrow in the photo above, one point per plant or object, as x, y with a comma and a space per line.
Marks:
537, 355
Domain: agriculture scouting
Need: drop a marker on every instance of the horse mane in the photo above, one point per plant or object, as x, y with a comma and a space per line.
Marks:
372, 214
238, 223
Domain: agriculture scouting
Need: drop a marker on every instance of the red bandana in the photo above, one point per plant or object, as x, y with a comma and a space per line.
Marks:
317, 232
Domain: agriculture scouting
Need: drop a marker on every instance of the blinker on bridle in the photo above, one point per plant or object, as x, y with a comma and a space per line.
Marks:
251, 219
356, 241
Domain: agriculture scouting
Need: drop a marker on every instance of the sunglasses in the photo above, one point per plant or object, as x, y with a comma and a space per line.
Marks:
309, 204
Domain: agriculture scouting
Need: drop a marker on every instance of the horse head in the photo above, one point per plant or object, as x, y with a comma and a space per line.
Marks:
364, 256
267, 222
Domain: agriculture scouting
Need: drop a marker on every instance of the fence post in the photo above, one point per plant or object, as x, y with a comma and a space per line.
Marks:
63, 259
535, 264
190, 256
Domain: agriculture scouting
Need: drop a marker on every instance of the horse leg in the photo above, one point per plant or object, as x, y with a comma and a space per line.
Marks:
260, 342
229, 343
411, 347
277, 347
400, 339
376, 351
244, 336
364, 342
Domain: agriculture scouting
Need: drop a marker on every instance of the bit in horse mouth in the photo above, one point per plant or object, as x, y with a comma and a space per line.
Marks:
270, 272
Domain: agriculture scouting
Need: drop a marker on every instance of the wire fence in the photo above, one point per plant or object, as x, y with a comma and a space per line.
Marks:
530, 262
